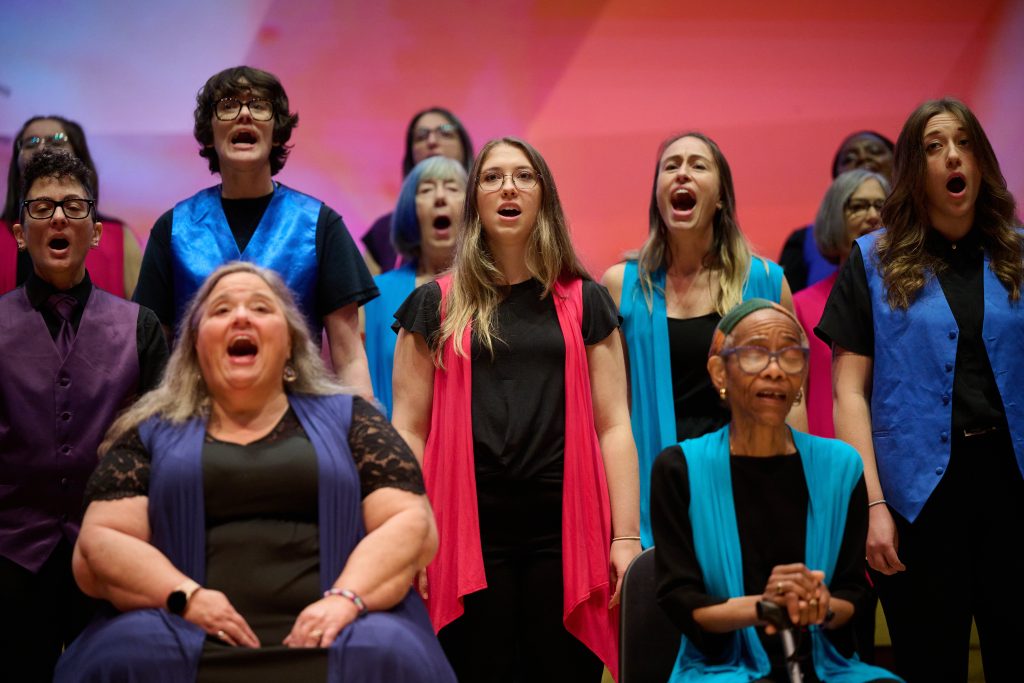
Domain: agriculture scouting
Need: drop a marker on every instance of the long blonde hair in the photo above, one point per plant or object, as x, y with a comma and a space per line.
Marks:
729, 253
478, 286
182, 393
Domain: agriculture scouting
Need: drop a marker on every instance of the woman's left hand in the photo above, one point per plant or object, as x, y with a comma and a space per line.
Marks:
621, 554
321, 622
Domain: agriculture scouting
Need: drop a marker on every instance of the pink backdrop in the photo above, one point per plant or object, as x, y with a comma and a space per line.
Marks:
595, 85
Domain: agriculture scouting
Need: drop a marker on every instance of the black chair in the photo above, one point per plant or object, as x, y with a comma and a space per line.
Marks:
648, 640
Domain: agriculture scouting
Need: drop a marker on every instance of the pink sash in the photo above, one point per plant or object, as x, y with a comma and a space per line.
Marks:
448, 465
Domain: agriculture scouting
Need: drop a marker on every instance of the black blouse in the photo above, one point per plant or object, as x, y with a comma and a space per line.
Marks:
847, 321
382, 457
698, 408
771, 499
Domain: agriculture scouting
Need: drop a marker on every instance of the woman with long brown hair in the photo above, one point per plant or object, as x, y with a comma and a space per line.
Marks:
510, 386
926, 329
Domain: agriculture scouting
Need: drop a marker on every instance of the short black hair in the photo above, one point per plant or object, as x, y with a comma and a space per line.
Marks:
467, 145
236, 81
860, 133
54, 163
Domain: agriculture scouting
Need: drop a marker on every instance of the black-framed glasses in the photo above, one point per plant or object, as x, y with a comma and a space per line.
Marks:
522, 178
859, 206
754, 359
447, 131
74, 208
228, 108
55, 140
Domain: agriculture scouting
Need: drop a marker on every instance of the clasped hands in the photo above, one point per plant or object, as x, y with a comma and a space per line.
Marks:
316, 626
800, 591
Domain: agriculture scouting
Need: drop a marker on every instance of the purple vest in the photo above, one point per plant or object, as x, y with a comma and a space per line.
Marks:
53, 416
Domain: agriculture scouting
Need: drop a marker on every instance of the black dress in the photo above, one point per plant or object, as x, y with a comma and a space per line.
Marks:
262, 545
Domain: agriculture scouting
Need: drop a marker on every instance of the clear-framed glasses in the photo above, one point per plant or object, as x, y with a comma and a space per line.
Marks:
228, 108
446, 131
56, 140
74, 208
754, 359
857, 207
522, 178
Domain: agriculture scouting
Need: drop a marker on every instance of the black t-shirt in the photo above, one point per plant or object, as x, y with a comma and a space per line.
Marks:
342, 277
149, 338
771, 499
699, 409
847, 321
519, 394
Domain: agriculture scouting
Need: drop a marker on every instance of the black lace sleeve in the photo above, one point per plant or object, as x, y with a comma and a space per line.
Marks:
382, 456
122, 473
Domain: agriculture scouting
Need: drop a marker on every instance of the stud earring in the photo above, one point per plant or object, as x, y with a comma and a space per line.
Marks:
289, 373
721, 393
799, 397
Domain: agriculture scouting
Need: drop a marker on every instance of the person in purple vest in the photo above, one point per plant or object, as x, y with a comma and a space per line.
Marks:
251, 520
243, 124
71, 357
927, 333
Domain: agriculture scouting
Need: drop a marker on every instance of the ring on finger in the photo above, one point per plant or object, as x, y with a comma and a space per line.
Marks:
813, 602
316, 633
778, 588
222, 635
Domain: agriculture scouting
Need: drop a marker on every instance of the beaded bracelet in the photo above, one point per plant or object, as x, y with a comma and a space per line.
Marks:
880, 501
346, 593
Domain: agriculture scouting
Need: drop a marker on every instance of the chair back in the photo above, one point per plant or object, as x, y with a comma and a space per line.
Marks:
648, 640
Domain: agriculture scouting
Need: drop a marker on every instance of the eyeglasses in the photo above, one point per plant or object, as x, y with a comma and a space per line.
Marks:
55, 140
228, 108
754, 359
446, 131
42, 209
859, 206
522, 178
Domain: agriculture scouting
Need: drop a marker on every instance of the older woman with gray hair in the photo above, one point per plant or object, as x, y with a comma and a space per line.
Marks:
252, 520
852, 207
423, 229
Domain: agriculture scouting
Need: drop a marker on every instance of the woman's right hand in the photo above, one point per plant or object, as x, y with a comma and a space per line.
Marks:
882, 541
211, 611
798, 590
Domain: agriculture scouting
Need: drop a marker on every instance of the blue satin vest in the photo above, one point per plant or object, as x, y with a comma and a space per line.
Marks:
653, 412
912, 394
284, 241
395, 286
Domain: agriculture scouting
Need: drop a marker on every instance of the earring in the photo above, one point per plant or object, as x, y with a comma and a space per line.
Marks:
721, 393
289, 373
799, 397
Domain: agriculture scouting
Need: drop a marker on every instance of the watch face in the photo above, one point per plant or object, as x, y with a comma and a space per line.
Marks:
176, 602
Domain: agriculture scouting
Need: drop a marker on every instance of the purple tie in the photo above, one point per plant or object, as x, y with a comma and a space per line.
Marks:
63, 305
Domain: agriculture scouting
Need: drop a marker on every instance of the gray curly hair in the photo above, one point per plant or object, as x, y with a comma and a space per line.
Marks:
182, 393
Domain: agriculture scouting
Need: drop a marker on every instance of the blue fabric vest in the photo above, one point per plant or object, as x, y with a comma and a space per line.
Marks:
395, 286
650, 366
284, 241
912, 385
832, 469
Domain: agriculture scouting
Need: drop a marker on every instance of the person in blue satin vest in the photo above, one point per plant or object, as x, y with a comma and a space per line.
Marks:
758, 512
927, 334
423, 229
695, 265
243, 123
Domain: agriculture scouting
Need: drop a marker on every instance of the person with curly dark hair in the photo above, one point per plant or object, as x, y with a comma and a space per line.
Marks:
243, 123
926, 328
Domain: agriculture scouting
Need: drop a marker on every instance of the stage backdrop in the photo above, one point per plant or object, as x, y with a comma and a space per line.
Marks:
595, 85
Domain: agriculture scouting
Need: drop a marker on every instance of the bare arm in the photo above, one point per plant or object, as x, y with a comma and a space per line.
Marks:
615, 434
851, 393
612, 280
347, 352
413, 391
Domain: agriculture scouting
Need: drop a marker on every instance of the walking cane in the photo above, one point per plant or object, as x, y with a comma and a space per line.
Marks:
777, 617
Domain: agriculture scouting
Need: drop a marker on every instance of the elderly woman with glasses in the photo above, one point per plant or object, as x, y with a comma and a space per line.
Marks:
757, 511
510, 386
73, 357
114, 263
251, 520
243, 124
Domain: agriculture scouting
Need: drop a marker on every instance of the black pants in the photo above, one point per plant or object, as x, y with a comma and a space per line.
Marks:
40, 613
512, 631
964, 559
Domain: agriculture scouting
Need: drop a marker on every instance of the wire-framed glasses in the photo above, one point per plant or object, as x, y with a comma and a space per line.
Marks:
522, 178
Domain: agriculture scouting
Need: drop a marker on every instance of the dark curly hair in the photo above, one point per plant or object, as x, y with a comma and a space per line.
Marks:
467, 145
240, 80
53, 163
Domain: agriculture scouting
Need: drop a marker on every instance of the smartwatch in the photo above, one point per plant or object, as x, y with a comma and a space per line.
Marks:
178, 599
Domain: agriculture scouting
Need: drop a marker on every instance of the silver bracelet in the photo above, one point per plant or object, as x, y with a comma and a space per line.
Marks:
880, 501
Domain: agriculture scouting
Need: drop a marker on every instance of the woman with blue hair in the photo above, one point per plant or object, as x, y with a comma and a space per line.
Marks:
423, 230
